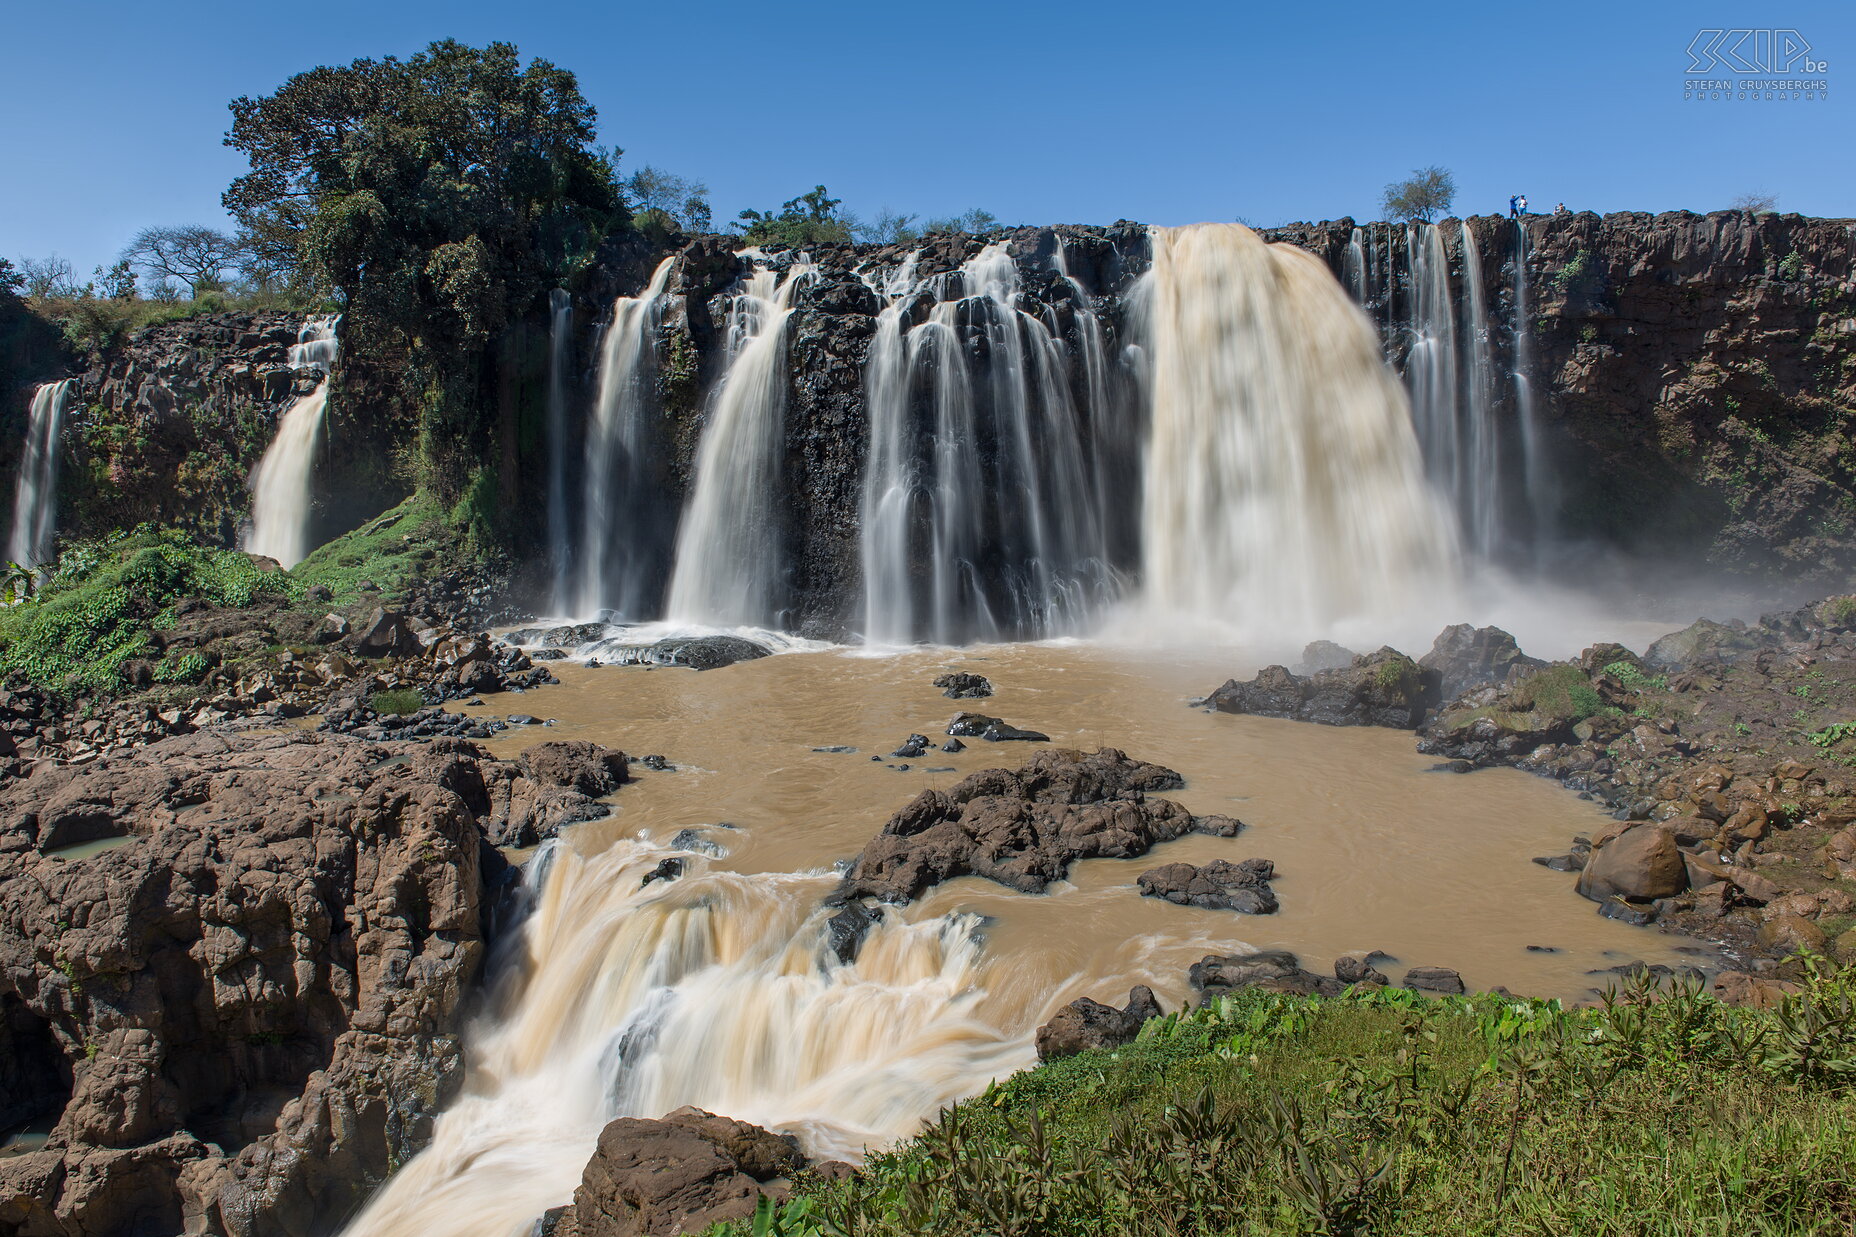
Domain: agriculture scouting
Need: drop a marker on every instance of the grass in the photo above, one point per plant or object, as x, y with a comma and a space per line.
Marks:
1387, 1113
403, 701
1554, 696
388, 551
98, 607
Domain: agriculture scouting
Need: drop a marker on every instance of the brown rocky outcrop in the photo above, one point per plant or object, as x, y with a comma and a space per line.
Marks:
1024, 827
1463, 657
1243, 887
1086, 1025
676, 1175
1385, 688
242, 1016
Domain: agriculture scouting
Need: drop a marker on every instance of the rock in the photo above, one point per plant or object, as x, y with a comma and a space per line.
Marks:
678, 1175
694, 652
1437, 979
385, 634
961, 686
1219, 885
1640, 864
658, 764
319, 592
1385, 688
584, 768
913, 748
972, 725
277, 965
1701, 641
1356, 967
1753, 991
1021, 828
1789, 933
666, 870
953, 745
1464, 657
1085, 1025
546, 788
847, 929
1320, 655
1570, 862
1273, 970
333, 627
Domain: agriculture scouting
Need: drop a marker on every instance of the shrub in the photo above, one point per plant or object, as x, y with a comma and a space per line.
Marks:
406, 700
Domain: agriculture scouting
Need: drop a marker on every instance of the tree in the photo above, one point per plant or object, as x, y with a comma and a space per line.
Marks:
1422, 196
438, 195
45, 278
116, 282
974, 221
810, 219
1755, 203
670, 200
889, 228
11, 281
194, 255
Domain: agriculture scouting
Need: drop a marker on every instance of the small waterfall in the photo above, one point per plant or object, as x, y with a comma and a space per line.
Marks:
1542, 496
716, 990
730, 564
984, 506
560, 341
617, 569
280, 484
1431, 364
1284, 487
1478, 482
35, 501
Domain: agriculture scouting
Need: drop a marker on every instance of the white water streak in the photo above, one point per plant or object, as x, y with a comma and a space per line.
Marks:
281, 483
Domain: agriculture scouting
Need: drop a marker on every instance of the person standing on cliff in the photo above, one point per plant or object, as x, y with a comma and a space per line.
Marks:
1523, 201
1512, 209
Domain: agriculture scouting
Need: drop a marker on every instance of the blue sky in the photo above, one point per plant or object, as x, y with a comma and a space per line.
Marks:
1039, 112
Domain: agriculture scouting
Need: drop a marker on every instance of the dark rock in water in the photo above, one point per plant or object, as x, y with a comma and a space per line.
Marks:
1543, 949
547, 655
964, 686
1085, 1025
1464, 657
1624, 912
1385, 688
695, 652
900, 768
1000, 732
657, 764
1561, 863
1319, 655
693, 840
1021, 828
524, 719
546, 788
1218, 826
970, 725
1273, 970
1437, 979
682, 1174
913, 747
953, 745
836, 748
846, 929
1452, 766
1641, 864
666, 870
1357, 968
1219, 885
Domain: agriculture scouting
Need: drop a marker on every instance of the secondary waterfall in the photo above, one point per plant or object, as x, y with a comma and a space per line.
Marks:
730, 562
616, 567
560, 340
983, 502
280, 484
35, 501
717, 990
1284, 486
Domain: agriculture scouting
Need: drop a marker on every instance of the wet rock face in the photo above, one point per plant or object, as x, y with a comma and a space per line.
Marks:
1385, 688
961, 686
242, 1016
1024, 827
678, 1175
1243, 887
1464, 657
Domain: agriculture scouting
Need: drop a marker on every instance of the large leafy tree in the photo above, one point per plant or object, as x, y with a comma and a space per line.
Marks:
437, 195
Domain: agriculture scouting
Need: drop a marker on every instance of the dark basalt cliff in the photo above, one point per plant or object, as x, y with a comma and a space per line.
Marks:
1693, 379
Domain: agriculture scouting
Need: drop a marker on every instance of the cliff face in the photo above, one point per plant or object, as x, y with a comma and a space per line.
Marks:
1692, 381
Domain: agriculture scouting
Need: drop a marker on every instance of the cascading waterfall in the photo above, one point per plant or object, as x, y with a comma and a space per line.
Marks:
729, 564
560, 340
617, 569
1541, 498
1478, 482
983, 506
280, 484
717, 990
1284, 487
35, 501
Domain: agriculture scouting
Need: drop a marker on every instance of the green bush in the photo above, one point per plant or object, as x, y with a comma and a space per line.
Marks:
99, 604
1383, 1112
403, 701
1632, 676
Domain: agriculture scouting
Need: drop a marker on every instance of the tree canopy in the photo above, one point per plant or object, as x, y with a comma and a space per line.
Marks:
439, 194
195, 255
1422, 196
809, 219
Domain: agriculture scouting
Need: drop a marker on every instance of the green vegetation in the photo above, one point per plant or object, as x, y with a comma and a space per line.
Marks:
1632, 676
809, 219
1556, 694
403, 701
96, 610
1580, 274
1830, 736
1386, 1113
1420, 197
388, 551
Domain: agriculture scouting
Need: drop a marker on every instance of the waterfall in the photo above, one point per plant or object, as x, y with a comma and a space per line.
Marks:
717, 990
280, 484
983, 501
1284, 487
1431, 364
35, 501
1479, 473
729, 564
1542, 499
560, 340
616, 566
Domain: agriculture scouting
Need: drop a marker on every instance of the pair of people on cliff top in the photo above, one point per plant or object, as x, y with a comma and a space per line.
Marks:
1517, 205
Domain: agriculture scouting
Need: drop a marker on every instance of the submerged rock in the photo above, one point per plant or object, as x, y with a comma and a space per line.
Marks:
960, 685
695, 652
994, 729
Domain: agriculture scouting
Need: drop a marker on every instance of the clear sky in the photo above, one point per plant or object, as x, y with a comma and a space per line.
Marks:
112, 114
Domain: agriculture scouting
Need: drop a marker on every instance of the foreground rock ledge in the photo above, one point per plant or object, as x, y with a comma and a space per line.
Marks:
240, 1018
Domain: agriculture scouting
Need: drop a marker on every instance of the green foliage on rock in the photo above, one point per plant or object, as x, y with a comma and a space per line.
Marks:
397, 702
809, 219
387, 552
1387, 1113
98, 607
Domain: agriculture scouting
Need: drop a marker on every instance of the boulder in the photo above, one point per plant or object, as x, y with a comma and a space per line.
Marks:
1085, 1025
584, 768
332, 628
694, 652
1219, 885
1319, 655
1438, 979
1791, 933
1273, 970
1023, 827
995, 729
1356, 967
1704, 641
1463, 657
962, 686
1640, 864
1385, 688
386, 634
